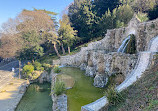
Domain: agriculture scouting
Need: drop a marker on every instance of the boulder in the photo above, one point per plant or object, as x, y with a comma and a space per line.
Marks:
100, 80
83, 66
90, 71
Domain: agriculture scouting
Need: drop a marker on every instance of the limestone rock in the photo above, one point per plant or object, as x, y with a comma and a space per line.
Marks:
83, 66
90, 71
100, 80
44, 77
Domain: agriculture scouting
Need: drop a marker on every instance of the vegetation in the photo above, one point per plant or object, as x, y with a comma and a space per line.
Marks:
59, 87
113, 96
142, 95
47, 67
36, 33
27, 71
57, 69
66, 33
142, 16
131, 46
92, 18
33, 70
38, 66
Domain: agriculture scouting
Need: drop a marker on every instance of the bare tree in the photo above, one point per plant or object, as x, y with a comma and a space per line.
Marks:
37, 20
10, 44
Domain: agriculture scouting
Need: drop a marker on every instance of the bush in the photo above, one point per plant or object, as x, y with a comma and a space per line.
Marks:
27, 70
113, 96
38, 66
59, 87
47, 67
142, 16
56, 69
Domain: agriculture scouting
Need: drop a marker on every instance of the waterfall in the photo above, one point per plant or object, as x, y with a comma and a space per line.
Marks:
124, 45
143, 62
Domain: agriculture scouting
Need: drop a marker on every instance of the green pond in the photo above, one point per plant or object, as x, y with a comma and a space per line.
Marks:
83, 91
36, 98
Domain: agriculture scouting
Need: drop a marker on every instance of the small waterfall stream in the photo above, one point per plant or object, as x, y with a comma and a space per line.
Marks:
142, 64
124, 45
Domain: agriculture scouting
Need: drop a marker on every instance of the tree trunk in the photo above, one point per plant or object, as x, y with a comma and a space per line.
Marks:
69, 49
63, 49
56, 50
19, 68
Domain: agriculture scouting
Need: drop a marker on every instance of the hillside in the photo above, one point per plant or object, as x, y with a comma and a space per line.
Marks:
141, 96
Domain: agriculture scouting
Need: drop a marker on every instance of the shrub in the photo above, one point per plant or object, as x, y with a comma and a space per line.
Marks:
38, 66
56, 69
142, 16
59, 87
113, 96
27, 70
47, 67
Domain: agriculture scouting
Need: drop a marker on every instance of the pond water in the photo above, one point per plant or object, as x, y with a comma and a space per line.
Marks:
83, 91
36, 98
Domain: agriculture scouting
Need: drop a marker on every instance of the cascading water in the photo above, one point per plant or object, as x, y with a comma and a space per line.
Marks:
143, 62
124, 45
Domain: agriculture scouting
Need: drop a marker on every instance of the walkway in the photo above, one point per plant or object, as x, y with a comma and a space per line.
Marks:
11, 88
11, 94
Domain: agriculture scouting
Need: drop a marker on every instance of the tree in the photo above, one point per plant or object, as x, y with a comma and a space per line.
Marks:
37, 20
32, 53
142, 16
84, 20
102, 6
106, 22
25, 32
124, 13
10, 44
52, 38
31, 38
66, 32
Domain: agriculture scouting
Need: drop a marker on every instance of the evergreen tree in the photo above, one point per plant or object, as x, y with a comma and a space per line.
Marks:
66, 33
101, 6
124, 13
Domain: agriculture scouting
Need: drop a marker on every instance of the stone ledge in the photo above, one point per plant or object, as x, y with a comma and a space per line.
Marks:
96, 106
59, 102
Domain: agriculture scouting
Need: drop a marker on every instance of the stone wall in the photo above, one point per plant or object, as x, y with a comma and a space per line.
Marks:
100, 53
101, 65
100, 59
59, 102
144, 32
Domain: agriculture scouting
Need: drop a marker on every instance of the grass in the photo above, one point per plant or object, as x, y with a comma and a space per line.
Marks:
142, 95
113, 96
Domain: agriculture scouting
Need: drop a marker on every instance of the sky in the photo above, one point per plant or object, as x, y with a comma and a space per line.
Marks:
11, 8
